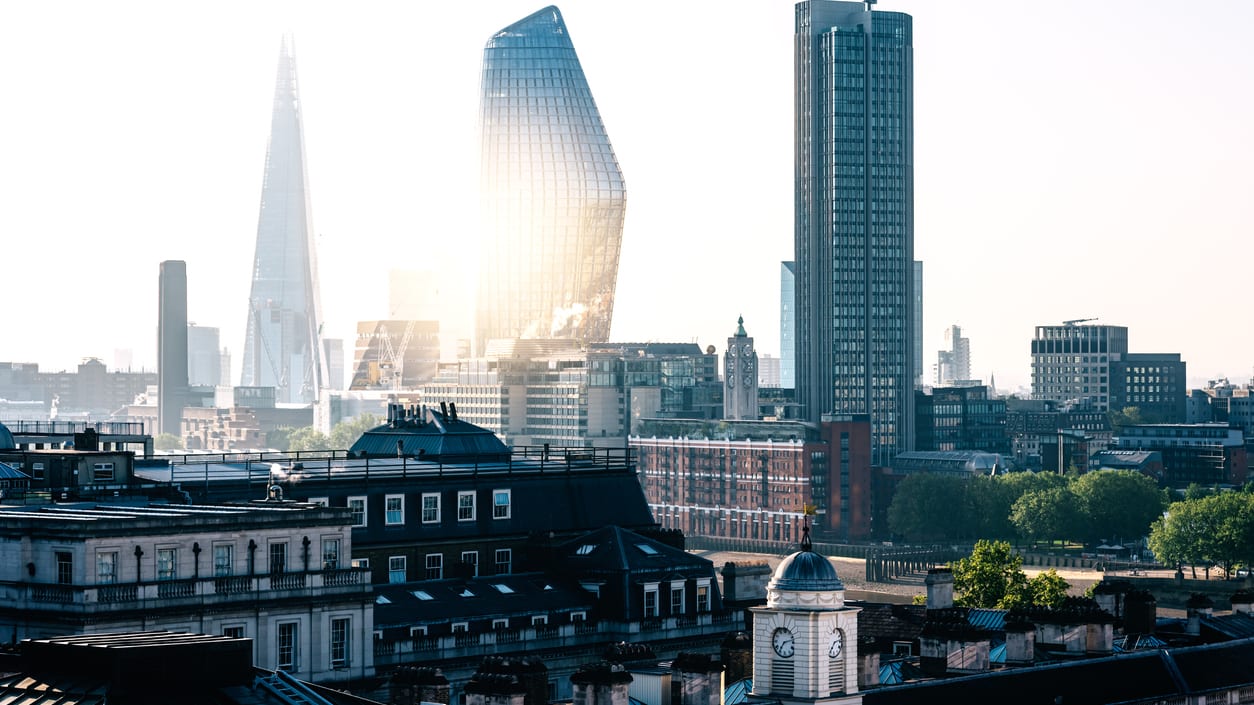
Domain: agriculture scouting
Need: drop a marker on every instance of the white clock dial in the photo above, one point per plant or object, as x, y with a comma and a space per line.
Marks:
782, 642
835, 642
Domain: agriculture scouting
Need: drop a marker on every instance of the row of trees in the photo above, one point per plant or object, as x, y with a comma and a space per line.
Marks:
1104, 504
286, 438
992, 576
1215, 529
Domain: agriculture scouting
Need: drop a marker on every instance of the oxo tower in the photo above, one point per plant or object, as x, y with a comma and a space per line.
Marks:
282, 347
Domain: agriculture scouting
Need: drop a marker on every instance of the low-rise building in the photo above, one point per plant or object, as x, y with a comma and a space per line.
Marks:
1207, 454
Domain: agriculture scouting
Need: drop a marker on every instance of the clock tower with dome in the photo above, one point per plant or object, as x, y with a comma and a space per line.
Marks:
805, 640
740, 377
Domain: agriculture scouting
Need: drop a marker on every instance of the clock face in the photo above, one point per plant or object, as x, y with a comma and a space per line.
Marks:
731, 380
747, 380
782, 642
746, 349
835, 642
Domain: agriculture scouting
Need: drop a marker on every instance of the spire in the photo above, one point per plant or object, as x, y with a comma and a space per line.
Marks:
282, 347
740, 328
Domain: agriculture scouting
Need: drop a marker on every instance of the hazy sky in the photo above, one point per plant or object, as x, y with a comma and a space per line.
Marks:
1073, 160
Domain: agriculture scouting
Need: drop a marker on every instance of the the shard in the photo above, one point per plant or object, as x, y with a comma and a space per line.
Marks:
281, 348
553, 195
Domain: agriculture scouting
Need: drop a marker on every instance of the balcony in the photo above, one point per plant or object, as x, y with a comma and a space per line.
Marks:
350, 583
568, 637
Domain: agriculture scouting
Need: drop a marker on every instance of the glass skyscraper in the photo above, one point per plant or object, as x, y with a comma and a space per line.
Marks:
281, 347
553, 195
855, 218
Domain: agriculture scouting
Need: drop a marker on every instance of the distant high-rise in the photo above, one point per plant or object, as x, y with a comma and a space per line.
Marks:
1073, 363
172, 391
281, 346
740, 375
787, 325
553, 195
855, 218
954, 364
204, 356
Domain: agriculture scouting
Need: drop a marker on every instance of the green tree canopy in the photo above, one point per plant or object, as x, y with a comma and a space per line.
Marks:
1120, 504
932, 506
346, 432
1052, 513
992, 577
308, 438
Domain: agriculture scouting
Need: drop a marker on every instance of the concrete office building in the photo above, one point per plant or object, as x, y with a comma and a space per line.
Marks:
855, 218
1071, 362
204, 356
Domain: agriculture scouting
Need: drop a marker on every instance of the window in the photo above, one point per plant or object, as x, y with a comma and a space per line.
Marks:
102, 472
339, 642
500, 504
435, 566
430, 508
396, 569
107, 567
420, 630
504, 560
460, 627
677, 599
235, 631
320, 501
465, 506
539, 620
167, 563
287, 646
578, 616
358, 507
37, 471
471, 558
703, 597
650, 600
330, 553
394, 509
361, 562
278, 557
500, 624
223, 559
65, 568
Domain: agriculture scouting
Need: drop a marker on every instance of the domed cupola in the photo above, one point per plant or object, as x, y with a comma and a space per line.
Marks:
806, 579
6, 439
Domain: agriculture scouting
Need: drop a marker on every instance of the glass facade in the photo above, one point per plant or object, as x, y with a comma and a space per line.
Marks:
553, 195
281, 346
855, 219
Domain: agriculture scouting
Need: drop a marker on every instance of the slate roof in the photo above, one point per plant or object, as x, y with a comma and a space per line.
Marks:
613, 549
432, 435
8, 472
1231, 626
1129, 677
476, 598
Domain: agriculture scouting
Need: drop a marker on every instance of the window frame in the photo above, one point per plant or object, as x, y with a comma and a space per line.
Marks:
110, 577
394, 517
677, 591
218, 566
63, 563
293, 638
436, 565
364, 500
334, 563
98, 468
474, 561
277, 555
435, 517
169, 556
398, 566
462, 515
650, 591
508, 506
508, 554
345, 627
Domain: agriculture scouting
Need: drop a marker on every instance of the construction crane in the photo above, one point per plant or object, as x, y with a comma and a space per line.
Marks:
1074, 321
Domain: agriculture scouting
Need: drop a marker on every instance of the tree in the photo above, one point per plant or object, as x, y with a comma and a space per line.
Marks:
1177, 538
167, 441
1128, 416
1119, 504
346, 432
1047, 589
989, 577
928, 506
308, 438
280, 438
1051, 513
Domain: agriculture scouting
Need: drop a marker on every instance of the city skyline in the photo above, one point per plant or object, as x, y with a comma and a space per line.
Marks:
1039, 171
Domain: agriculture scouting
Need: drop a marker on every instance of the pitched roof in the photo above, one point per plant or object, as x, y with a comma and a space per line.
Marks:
615, 549
440, 601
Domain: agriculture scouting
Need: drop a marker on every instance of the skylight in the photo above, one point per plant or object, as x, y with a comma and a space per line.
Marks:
646, 549
381, 600
423, 595
585, 549
503, 588
467, 593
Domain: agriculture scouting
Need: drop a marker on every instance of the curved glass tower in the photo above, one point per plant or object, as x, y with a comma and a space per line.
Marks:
553, 195
281, 347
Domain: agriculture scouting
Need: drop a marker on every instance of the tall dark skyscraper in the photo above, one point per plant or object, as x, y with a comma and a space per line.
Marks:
172, 391
855, 218
553, 195
281, 347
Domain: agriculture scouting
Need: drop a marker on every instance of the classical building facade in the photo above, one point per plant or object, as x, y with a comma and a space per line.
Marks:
276, 572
